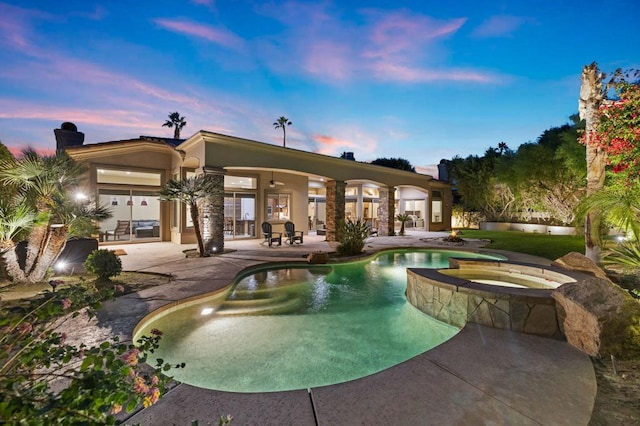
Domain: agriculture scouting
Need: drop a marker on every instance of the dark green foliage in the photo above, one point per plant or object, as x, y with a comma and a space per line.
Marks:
395, 163
352, 237
103, 263
5, 154
548, 176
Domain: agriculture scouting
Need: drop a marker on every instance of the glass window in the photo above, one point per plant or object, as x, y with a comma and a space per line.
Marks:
128, 177
278, 206
240, 182
436, 211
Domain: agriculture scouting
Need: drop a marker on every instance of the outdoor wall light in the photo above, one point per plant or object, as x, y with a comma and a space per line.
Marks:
206, 311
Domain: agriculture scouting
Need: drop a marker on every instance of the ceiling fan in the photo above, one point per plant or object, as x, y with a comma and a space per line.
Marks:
273, 182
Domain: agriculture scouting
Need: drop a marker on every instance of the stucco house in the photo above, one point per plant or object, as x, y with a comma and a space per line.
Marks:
261, 182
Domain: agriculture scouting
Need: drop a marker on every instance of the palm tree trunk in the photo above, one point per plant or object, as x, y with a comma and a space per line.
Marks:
11, 265
590, 100
36, 243
284, 136
56, 241
195, 218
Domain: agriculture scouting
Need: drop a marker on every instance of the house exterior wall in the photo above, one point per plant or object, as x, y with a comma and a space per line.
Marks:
244, 157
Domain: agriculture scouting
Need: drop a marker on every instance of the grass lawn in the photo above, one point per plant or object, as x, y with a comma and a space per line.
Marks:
543, 245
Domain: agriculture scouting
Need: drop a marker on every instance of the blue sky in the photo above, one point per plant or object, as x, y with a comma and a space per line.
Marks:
421, 80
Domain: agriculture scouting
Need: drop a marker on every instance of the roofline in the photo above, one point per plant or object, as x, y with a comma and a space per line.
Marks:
234, 140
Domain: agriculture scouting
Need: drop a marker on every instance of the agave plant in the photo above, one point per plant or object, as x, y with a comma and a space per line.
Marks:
352, 237
626, 255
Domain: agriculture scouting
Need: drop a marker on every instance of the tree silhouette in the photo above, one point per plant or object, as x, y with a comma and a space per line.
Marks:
282, 123
395, 163
176, 122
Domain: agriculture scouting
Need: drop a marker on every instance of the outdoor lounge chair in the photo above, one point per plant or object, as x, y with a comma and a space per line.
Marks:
270, 236
291, 233
122, 228
373, 232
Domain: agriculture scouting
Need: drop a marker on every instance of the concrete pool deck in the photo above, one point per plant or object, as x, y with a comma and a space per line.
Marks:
480, 376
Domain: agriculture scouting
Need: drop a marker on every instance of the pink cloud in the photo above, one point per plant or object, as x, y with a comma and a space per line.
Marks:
390, 46
329, 59
394, 72
401, 33
499, 26
219, 36
328, 145
14, 25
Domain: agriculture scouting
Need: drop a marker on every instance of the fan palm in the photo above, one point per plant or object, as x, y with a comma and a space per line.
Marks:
188, 191
282, 123
402, 218
36, 205
176, 122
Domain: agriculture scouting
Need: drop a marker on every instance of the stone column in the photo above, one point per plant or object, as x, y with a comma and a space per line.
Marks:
386, 211
212, 211
359, 202
335, 208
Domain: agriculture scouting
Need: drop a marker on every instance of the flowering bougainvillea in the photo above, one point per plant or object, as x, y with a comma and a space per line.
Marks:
46, 380
618, 134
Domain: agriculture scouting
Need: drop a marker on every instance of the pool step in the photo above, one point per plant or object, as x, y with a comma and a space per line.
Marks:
250, 294
275, 305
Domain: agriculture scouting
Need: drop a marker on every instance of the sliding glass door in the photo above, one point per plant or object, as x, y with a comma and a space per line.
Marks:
239, 215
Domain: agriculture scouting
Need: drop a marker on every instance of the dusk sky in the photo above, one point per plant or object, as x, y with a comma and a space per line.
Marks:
421, 80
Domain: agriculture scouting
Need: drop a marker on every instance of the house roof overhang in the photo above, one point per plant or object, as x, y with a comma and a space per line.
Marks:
231, 152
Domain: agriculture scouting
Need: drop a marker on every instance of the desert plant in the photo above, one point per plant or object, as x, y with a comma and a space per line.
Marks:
625, 255
352, 237
103, 263
402, 218
48, 379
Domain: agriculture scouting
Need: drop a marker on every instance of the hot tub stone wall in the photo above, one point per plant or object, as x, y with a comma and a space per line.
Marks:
456, 301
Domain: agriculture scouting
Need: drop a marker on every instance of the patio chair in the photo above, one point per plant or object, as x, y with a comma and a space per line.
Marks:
291, 233
373, 232
122, 228
270, 236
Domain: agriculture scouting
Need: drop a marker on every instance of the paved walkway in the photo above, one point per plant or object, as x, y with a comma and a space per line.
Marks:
481, 376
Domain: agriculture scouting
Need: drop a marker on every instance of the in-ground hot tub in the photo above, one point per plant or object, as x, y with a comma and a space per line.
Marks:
509, 295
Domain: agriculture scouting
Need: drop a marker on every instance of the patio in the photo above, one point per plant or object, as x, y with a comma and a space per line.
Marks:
481, 376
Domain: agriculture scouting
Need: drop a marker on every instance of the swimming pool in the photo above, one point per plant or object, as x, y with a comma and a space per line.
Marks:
299, 326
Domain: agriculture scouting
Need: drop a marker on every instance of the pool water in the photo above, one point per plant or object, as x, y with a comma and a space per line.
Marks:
301, 327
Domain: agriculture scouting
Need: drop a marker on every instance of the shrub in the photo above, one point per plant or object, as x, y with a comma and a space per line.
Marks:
103, 263
46, 379
352, 237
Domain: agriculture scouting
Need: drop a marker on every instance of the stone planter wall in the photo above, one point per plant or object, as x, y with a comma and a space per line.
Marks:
457, 301
528, 227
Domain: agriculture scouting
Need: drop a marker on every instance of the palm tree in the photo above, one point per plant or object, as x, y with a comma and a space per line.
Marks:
37, 207
189, 191
403, 218
282, 123
176, 122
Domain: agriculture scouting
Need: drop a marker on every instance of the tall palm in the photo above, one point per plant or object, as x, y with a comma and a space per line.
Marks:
591, 97
282, 123
188, 191
176, 122
47, 216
